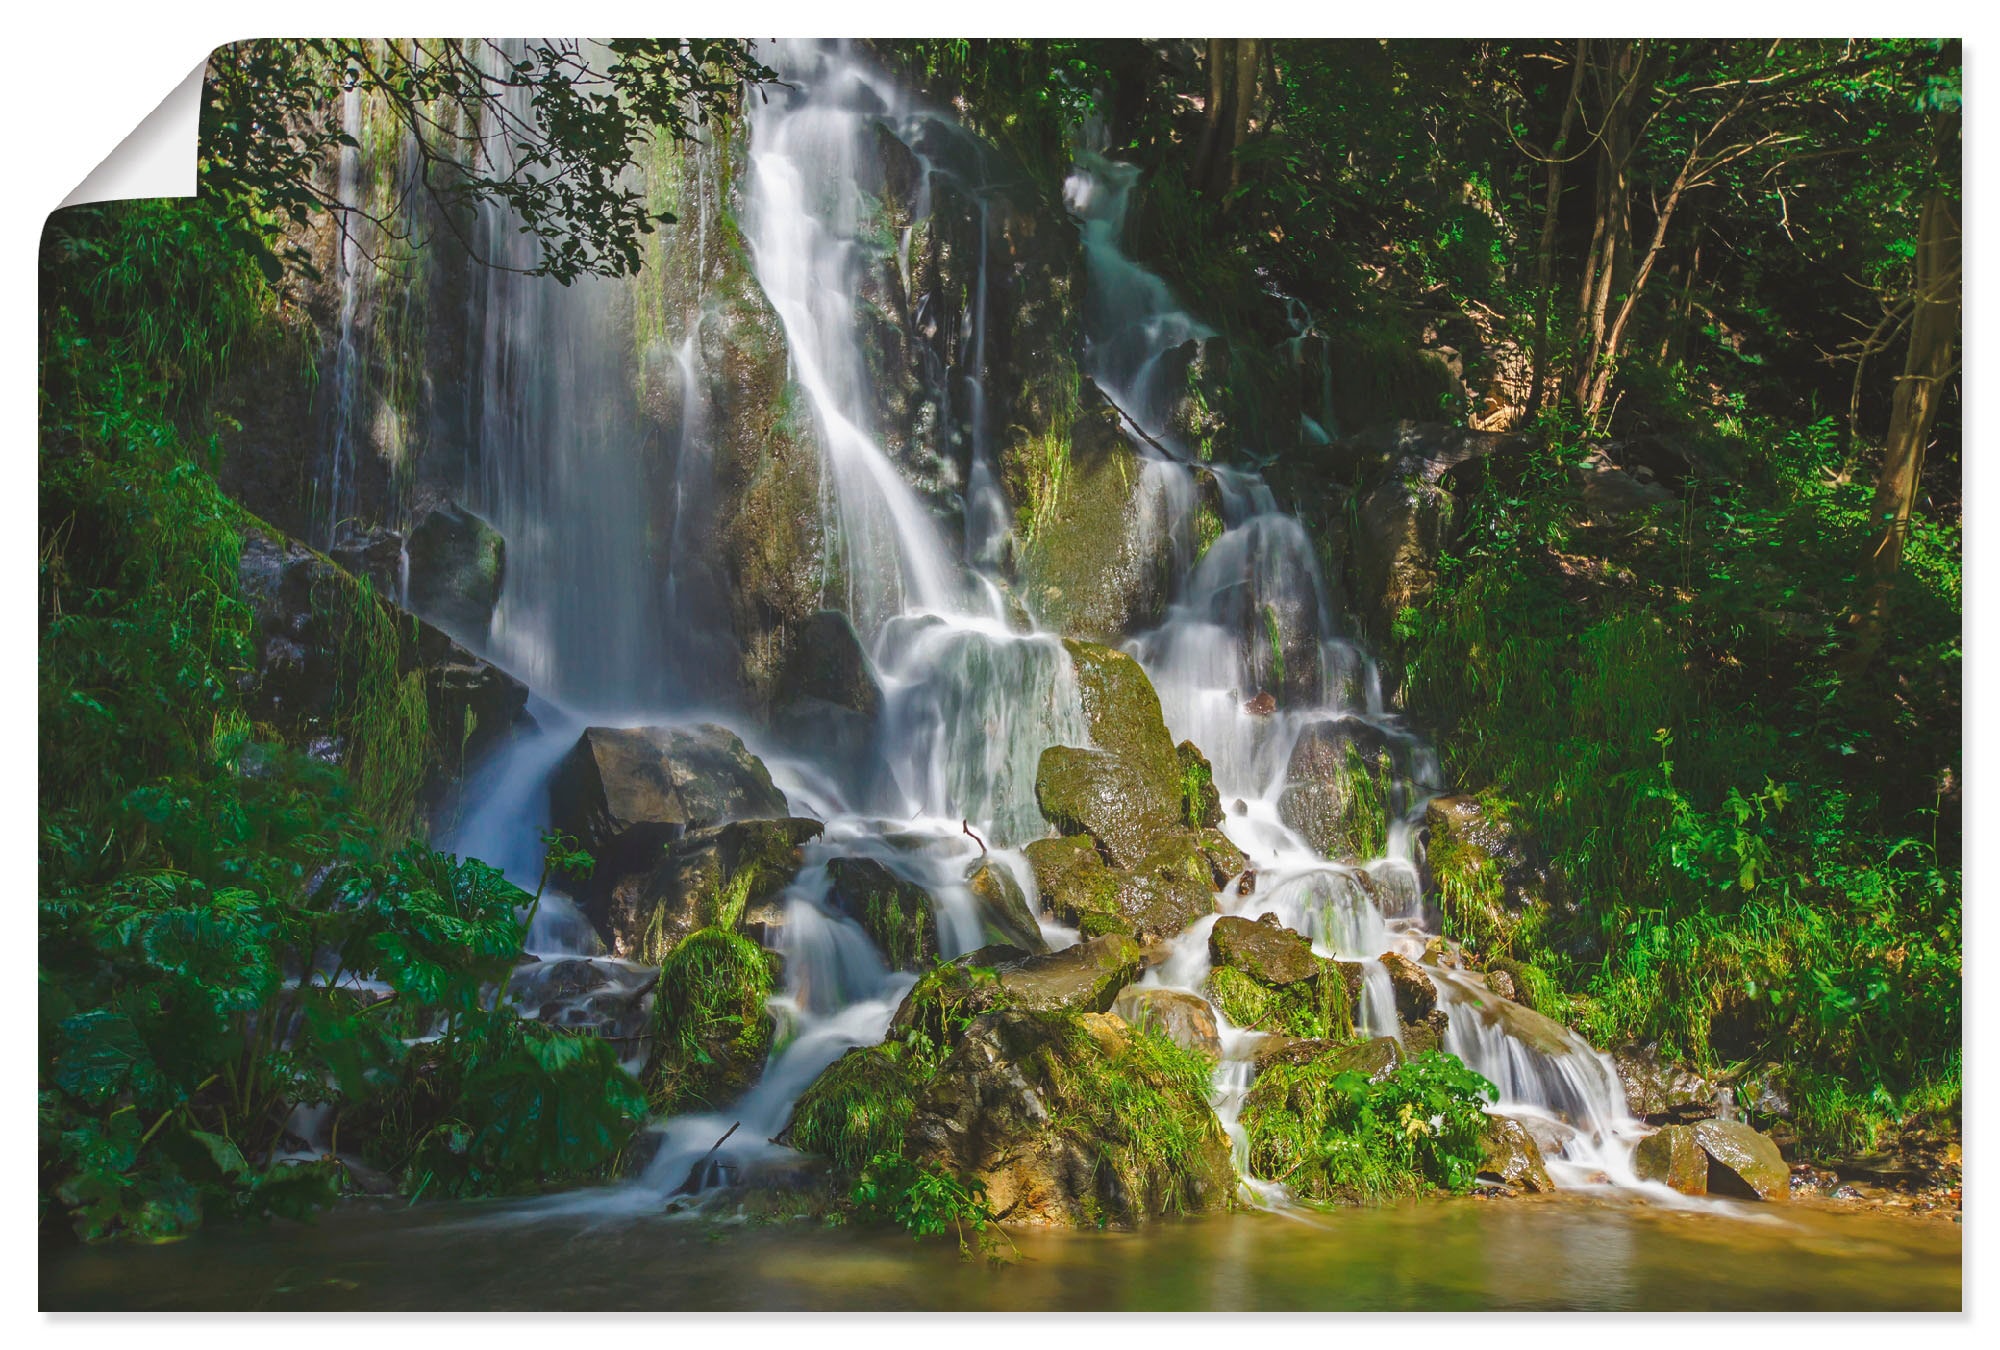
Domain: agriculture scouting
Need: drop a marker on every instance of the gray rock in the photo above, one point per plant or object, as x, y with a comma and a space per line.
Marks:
1083, 978
1181, 1017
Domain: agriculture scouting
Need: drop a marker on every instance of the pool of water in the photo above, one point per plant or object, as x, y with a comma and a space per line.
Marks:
1555, 1252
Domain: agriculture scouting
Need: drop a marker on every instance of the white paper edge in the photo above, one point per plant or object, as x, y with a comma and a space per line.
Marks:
158, 158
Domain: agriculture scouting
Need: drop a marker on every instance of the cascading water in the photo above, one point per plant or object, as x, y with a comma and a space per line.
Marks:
1209, 659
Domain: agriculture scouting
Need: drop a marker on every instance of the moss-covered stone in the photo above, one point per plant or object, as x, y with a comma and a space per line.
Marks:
1170, 888
1067, 1127
1340, 788
722, 876
1078, 979
1492, 888
1122, 710
859, 1107
711, 1028
457, 565
1094, 563
1672, 1157
1509, 1155
899, 915
1108, 797
1267, 978
1201, 804
1183, 1018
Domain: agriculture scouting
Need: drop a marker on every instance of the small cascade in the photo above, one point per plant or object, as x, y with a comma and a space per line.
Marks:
1253, 617
339, 471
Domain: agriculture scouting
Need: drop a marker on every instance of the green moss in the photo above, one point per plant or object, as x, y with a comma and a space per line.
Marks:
1316, 1008
1143, 1110
710, 1026
1201, 805
860, 1107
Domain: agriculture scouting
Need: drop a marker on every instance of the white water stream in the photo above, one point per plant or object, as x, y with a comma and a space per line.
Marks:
969, 702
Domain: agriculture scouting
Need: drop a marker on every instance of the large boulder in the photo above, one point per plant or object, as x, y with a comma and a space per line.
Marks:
627, 792
1098, 561
899, 915
727, 876
1082, 978
1067, 1123
1673, 1157
1110, 798
1411, 471
1660, 1092
1181, 1017
1340, 788
1169, 889
1267, 978
457, 563
1509, 1155
828, 702
1742, 1162
1004, 916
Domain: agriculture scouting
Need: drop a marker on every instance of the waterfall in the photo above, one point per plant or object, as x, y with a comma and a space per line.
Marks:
615, 612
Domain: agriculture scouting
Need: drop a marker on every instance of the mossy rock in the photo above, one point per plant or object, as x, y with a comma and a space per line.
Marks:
1090, 566
1106, 796
1004, 916
457, 564
1509, 1155
1201, 804
711, 1028
1673, 1157
1493, 890
1169, 889
859, 1107
1076, 1122
628, 792
723, 876
1341, 788
1182, 1017
899, 915
1078, 979
1122, 710
1267, 978
948, 997
1416, 993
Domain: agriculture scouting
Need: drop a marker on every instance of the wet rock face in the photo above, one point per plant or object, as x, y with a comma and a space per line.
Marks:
1201, 804
1083, 978
1660, 1092
728, 875
1182, 1018
457, 565
1673, 1157
1021, 1105
1264, 949
1486, 871
899, 915
1416, 996
1128, 861
1340, 787
308, 660
1742, 1162
1099, 565
628, 792
1374, 1059
1509, 1154
1169, 889
1410, 472
1003, 908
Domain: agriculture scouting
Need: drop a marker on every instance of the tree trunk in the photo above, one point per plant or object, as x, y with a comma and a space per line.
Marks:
1232, 92
1930, 362
1545, 257
1619, 76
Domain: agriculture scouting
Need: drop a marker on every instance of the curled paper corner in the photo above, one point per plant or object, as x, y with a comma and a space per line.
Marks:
157, 159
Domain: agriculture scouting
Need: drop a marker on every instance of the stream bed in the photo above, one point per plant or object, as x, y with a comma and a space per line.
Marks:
1547, 1253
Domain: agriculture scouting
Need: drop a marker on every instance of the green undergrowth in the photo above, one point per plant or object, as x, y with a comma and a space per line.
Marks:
1762, 846
218, 913
1316, 1007
1334, 1137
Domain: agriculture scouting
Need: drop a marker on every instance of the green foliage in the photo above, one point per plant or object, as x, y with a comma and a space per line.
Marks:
268, 124
1756, 842
1331, 1135
924, 1200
